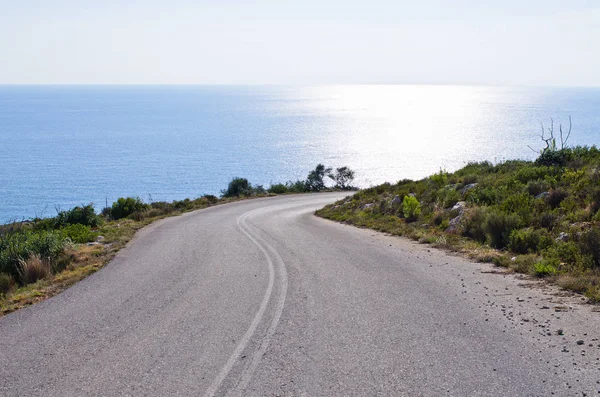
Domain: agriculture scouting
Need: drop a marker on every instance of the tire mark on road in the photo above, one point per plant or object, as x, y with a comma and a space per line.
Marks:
265, 248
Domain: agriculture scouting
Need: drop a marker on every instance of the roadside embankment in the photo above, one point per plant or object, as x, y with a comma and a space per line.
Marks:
540, 218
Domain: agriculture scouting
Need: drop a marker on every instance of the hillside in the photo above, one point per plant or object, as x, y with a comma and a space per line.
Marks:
537, 217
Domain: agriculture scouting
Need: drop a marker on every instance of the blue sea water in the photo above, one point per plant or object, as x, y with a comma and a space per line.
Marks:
62, 146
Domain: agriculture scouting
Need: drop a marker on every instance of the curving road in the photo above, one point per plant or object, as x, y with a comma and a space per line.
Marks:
263, 298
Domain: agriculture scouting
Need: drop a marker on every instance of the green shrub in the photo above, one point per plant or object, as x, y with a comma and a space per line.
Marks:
589, 244
211, 199
482, 196
474, 226
529, 173
520, 204
125, 206
439, 180
297, 186
238, 187
563, 252
556, 197
44, 223
445, 224
450, 197
469, 179
278, 188
18, 246
536, 187
523, 241
553, 158
411, 208
6, 283
594, 197
85, 215
439, 217
546, 267
79, 233
547, 220
528, 240
498, 227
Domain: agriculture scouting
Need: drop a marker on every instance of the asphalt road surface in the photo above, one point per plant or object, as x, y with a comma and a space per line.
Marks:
262, 298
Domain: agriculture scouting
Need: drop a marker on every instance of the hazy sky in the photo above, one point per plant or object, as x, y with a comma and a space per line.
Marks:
505, 42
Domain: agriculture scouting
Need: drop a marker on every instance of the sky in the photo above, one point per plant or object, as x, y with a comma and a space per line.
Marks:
502, 42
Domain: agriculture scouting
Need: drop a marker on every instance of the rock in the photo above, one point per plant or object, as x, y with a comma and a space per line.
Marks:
94, 243
367, 206
542, 195
513, 259
580, 342
467, 188
396, 201
412, 194
562, 237
454, 223
460, 207
100, 239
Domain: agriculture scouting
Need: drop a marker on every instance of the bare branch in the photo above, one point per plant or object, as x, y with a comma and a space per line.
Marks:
563, 143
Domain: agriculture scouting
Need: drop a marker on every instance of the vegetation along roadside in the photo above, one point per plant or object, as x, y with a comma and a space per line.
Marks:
537, 217
43, 256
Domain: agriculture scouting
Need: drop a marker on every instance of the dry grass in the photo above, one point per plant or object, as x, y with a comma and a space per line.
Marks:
33, 269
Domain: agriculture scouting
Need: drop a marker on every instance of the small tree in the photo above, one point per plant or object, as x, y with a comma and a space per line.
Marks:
343, 177
314, 181
238, 187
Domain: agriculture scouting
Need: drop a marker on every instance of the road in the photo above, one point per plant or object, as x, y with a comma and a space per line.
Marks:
262, 298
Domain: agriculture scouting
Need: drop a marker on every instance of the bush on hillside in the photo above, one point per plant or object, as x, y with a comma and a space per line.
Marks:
210, 199
554, 158
498, 227
79, 233
85, 215
411, 208
528, 240
298, 186
564, 252
535, 188
15, 246
238, 187
555, 197
589, 243
125, 206
474, 224
278, 188
6, 283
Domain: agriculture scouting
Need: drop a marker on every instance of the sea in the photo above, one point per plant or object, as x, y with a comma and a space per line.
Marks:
62, 146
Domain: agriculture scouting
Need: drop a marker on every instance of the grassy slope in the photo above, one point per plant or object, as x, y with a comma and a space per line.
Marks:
540, 218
